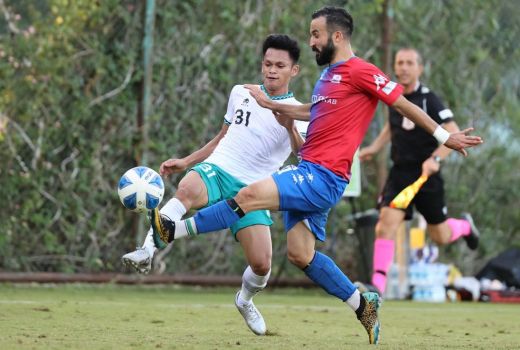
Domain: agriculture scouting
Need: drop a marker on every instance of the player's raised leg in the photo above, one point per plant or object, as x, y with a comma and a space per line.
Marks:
191, 193
323, 271
262, 194
444, 230
256, 243
453, 229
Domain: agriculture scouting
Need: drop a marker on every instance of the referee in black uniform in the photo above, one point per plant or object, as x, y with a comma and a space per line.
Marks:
413, 152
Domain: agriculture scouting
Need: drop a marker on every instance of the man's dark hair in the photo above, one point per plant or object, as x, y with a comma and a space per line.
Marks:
282, 42
410, 48
338, 19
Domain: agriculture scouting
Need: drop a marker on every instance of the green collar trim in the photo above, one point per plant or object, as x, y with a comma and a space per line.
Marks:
279, 97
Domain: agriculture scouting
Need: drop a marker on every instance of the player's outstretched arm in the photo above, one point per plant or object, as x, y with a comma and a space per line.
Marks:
283, 110
457, 141
174, 165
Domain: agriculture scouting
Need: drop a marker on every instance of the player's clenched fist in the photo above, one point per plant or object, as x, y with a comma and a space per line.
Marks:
172, 166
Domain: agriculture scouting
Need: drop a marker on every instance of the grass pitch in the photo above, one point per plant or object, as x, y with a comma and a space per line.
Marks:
143, 317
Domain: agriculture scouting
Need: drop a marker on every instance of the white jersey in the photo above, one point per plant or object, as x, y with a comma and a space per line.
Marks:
255, 145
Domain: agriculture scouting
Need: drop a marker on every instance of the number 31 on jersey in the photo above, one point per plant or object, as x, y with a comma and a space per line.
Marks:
239, 117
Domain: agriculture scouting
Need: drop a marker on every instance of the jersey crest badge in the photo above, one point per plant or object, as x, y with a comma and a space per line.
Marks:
336, 79
407, 124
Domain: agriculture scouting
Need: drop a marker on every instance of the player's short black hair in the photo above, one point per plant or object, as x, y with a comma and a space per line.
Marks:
338, 19
282, 42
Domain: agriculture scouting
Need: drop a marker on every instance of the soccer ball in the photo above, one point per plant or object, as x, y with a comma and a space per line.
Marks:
140, 189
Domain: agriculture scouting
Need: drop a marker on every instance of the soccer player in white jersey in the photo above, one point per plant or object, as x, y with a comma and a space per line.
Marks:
251, 144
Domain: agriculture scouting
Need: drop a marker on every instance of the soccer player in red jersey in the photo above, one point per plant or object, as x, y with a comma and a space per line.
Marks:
343, 104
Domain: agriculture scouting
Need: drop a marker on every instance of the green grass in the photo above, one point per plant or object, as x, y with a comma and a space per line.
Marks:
130, 317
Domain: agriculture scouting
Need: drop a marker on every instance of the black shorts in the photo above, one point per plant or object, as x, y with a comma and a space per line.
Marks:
429, 201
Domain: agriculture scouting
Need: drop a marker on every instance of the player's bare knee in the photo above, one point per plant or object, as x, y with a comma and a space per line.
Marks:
245, 198
298, 259
185, 195
261, 267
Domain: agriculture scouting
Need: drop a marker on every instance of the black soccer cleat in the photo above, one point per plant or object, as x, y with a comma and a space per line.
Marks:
163, 228
473, 238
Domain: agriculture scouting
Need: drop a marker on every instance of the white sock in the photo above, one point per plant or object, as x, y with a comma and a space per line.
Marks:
251, 285
174, 209
354, 300
185, 228
148, 244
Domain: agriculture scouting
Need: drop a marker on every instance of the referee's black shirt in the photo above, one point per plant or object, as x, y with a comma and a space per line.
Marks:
411, 144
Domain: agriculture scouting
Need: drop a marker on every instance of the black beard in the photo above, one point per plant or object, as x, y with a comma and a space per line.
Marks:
326, 54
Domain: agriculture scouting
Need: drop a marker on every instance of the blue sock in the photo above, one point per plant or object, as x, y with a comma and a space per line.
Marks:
215, 217
324, 272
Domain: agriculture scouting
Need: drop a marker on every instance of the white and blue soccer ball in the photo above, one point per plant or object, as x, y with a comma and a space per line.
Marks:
140, 189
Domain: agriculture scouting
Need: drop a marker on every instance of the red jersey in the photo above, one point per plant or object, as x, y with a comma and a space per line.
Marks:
344, 101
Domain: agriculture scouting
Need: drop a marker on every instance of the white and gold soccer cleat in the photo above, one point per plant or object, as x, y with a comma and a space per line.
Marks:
140, 260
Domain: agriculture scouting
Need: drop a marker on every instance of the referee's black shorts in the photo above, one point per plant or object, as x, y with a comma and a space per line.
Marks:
430, 199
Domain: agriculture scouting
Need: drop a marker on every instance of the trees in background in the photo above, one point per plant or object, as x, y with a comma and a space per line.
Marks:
70, 81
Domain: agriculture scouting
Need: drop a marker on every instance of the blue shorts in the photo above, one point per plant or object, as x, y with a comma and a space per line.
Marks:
307, 192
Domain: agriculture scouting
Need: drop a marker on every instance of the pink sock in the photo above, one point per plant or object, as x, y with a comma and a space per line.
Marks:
383, 258
459, 228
